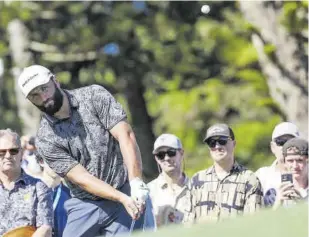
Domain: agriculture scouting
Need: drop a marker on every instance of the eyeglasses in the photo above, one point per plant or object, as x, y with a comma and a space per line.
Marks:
222, 141
12, 151
281, 141
161, 155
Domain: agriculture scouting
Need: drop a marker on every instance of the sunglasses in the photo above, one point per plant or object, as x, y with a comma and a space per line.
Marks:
221, 141
281, 141
161, 155
12, 151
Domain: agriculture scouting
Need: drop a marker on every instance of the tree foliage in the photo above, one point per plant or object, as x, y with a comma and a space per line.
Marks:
175, 69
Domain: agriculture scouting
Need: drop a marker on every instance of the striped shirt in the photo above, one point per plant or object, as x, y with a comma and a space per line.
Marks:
237, 193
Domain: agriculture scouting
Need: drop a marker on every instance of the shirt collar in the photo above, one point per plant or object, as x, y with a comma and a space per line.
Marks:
235, 168
23, 178
163, 184
73, 104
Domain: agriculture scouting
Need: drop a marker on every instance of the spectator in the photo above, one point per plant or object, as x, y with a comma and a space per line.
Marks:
295, 158
270, 176
226, 189
85, 138
29, 163
25, 201
60, 194
169, 191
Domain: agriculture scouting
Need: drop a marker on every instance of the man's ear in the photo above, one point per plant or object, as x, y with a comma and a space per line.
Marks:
56, 81
272, 147
234, 143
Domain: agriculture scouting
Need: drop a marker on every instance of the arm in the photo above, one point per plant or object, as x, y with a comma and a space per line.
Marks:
113, 118
60, 161
254, 195
65, 166
79, 175
44, 218
129, 148
43, 231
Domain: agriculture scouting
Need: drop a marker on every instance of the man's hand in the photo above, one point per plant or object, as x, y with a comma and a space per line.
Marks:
130, 206
139, 193
286, 191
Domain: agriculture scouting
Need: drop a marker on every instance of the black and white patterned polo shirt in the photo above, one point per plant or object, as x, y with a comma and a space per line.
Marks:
29, 203
84, 138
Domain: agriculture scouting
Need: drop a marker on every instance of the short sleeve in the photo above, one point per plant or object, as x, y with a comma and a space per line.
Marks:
44, 215
57, 158
254, 195
109, 111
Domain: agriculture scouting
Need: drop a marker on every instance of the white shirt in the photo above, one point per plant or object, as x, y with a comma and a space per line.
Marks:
170, 206
270, 179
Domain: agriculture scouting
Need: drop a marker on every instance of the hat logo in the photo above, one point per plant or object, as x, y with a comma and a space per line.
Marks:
214, 130
29, 79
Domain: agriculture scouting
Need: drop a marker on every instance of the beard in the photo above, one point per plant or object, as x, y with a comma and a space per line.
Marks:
57, 98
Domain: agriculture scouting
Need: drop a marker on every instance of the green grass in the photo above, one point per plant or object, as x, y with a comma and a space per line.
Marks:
284, 222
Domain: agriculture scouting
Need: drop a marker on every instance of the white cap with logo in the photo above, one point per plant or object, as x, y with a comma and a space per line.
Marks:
167, 140
32, 77
285, 128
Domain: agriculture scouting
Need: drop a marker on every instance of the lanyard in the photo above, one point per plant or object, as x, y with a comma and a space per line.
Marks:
56, 200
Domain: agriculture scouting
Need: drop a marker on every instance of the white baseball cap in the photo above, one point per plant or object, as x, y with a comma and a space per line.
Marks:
285, 128
168, 140
32, 77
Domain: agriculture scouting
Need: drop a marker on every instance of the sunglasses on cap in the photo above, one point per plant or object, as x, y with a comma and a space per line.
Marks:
161, 155
281, 141
12, 151
222, 141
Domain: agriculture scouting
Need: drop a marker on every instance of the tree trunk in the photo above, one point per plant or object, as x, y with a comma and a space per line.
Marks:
287, 67
142, 125
18, 42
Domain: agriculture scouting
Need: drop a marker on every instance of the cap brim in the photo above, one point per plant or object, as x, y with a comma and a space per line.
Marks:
216, 135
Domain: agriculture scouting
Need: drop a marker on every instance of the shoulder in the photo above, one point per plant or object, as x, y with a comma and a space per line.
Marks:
200, 177
250, 178
90, 91
263, 171
153, 184
45, 129
29, 180
87, 93
247, 174
45, 137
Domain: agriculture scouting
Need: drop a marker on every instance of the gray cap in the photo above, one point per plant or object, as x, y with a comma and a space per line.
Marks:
167, 140
219, 129
300, 144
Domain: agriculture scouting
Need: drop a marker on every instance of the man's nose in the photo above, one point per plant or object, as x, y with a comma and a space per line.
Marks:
294, 164
44, 96
7, 154
166, 157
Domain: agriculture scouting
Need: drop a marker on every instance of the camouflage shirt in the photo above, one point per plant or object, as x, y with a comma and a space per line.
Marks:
171, 205
84, 139
213, 199
29, 203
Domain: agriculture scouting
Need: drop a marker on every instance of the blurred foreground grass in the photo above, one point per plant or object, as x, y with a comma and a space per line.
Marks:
284, 222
